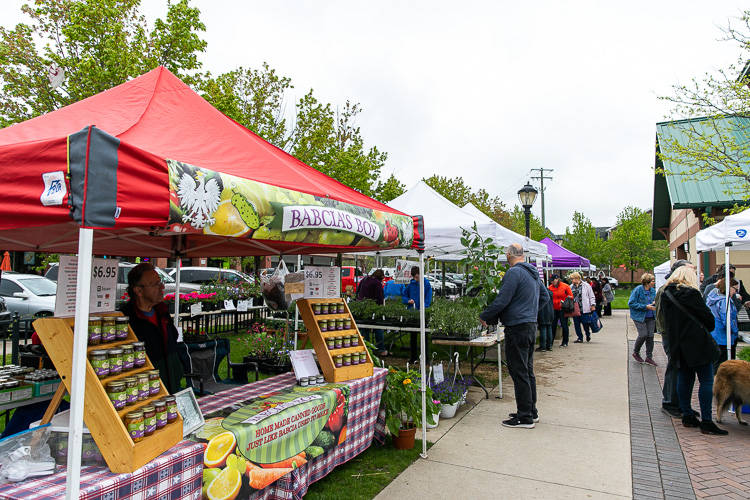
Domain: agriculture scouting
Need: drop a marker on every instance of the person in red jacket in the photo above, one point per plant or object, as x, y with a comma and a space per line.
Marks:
560, 290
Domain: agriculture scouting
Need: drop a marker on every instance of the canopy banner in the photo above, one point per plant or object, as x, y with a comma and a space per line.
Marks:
267, 437
209, 202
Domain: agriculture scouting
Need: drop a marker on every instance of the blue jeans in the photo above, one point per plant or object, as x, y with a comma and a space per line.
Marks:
583, 318
686, 379
560, 316
546, 337
379, 343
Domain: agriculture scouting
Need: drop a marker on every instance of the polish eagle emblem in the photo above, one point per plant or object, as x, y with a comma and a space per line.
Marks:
199, 199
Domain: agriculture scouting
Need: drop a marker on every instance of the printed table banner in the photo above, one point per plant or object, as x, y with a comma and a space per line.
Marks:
209, 202
252, 444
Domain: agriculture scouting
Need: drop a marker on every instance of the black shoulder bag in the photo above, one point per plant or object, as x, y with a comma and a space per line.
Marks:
712, 340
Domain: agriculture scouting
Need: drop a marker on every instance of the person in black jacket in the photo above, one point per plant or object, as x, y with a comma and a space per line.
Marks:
544, 320
152, 324
692, 347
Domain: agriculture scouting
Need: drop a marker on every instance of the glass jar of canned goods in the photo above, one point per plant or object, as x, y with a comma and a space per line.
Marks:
121, 327
139, 349
345, 341
324, 308
330, 343
161, 413
149, 419
134, 423
154, 384
128, 357
354, 340
171, 402
316, 308
116, 393
99, 360
115, 361
143, 387
323, 325
338, 342
108, 329
131, 390
347, 359
95, 330
339, 361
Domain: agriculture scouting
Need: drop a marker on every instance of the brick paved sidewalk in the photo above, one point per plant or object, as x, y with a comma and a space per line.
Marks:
671, 461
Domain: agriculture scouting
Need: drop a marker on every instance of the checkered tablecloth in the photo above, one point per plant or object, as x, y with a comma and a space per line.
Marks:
364, 423
175, 474
178, 472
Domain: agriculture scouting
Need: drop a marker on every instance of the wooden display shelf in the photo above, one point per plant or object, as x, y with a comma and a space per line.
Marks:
103, 420
318, 338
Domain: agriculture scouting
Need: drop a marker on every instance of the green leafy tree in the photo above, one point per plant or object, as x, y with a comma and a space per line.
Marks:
711, 115
458, 193
390, 189
631, 242
537, 232
98, 43
582, 240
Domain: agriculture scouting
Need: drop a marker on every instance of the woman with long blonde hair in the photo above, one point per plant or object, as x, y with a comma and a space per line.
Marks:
688, 322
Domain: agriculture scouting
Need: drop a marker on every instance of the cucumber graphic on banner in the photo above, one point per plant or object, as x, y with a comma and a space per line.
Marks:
255, 442
209, 202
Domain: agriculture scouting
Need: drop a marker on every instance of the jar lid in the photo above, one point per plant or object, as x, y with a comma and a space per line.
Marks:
126, 346
116, 385
122, 319
129, 380
115, 352
109, 319
147, 408
153, 372
99, 352
169, 399
157, 404
95, 318
139, 344
133, 415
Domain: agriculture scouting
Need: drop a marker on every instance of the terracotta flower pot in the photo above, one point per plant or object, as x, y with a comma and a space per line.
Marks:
405, 439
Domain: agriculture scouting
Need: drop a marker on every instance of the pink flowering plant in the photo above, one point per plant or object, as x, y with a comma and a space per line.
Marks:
191, 298
262, 342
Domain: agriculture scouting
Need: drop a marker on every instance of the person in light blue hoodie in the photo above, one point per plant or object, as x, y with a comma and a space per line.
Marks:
716, 300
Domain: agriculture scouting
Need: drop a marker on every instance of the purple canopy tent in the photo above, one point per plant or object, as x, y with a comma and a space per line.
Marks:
563, 258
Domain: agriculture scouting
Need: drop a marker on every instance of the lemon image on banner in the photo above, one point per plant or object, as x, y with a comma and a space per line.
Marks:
281, 426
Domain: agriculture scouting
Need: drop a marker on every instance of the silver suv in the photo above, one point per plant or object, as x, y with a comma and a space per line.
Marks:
122, 280
207, 275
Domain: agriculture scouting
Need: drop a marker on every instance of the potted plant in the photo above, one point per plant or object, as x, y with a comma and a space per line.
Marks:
402, 403
453, 320
451, 393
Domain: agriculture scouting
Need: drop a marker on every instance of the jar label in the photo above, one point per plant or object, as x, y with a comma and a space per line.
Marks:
132, 394
161, 419
136, 430
150, 425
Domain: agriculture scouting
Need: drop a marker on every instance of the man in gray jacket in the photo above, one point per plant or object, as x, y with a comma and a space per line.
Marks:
516, 307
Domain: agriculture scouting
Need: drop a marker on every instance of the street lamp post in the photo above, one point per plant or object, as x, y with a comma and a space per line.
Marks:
527, 195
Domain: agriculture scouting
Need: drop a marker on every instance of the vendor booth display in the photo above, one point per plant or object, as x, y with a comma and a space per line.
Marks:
150, 168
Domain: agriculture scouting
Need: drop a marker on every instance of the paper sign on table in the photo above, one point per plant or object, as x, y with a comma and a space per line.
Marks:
229, 305
437, 373
242, 305
196, 309
303, 363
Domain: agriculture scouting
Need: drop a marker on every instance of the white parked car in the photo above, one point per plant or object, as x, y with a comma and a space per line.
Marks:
612, 281
29, 295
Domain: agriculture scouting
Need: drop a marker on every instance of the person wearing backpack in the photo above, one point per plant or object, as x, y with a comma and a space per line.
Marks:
560, 290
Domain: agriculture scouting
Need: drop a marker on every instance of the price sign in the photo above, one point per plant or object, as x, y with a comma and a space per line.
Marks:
103, 288
322, 282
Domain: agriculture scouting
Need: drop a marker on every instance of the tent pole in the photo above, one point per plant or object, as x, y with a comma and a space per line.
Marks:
177, 277
78, 371
698, 267
296, 309
726, 291
422, 356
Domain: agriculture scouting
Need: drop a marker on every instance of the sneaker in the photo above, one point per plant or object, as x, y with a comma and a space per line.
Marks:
564, 345
517, 423
579, 341
535, 418
651, 362
707, 427
549, 348
637, 357
671, 412
539, 349
691, 421
588, 339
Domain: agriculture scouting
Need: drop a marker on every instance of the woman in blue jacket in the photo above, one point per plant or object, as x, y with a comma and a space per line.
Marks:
641, 304
717, 302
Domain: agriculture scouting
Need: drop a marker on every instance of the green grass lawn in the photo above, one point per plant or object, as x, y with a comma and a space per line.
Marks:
366, 475
621, 299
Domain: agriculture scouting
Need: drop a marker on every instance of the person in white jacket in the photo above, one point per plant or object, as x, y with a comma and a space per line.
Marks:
584, 295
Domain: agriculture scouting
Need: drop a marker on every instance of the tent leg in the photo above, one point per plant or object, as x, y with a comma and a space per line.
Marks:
422, 356
78, 372
729, 317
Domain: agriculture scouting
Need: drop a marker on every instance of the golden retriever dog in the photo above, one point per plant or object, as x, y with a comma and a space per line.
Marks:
732, 386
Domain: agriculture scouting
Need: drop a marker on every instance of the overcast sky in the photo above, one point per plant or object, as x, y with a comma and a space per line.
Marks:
486, 90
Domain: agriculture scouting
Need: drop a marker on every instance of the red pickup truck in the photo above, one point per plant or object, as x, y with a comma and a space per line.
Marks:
350, 278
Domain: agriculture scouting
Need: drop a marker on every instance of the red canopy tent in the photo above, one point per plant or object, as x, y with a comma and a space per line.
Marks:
115, 161
150, 168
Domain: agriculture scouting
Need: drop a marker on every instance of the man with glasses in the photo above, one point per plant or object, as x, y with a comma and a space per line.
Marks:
152, 324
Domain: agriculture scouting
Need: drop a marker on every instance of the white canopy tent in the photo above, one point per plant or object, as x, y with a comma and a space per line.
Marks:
443, 222
733, 233
660, 273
